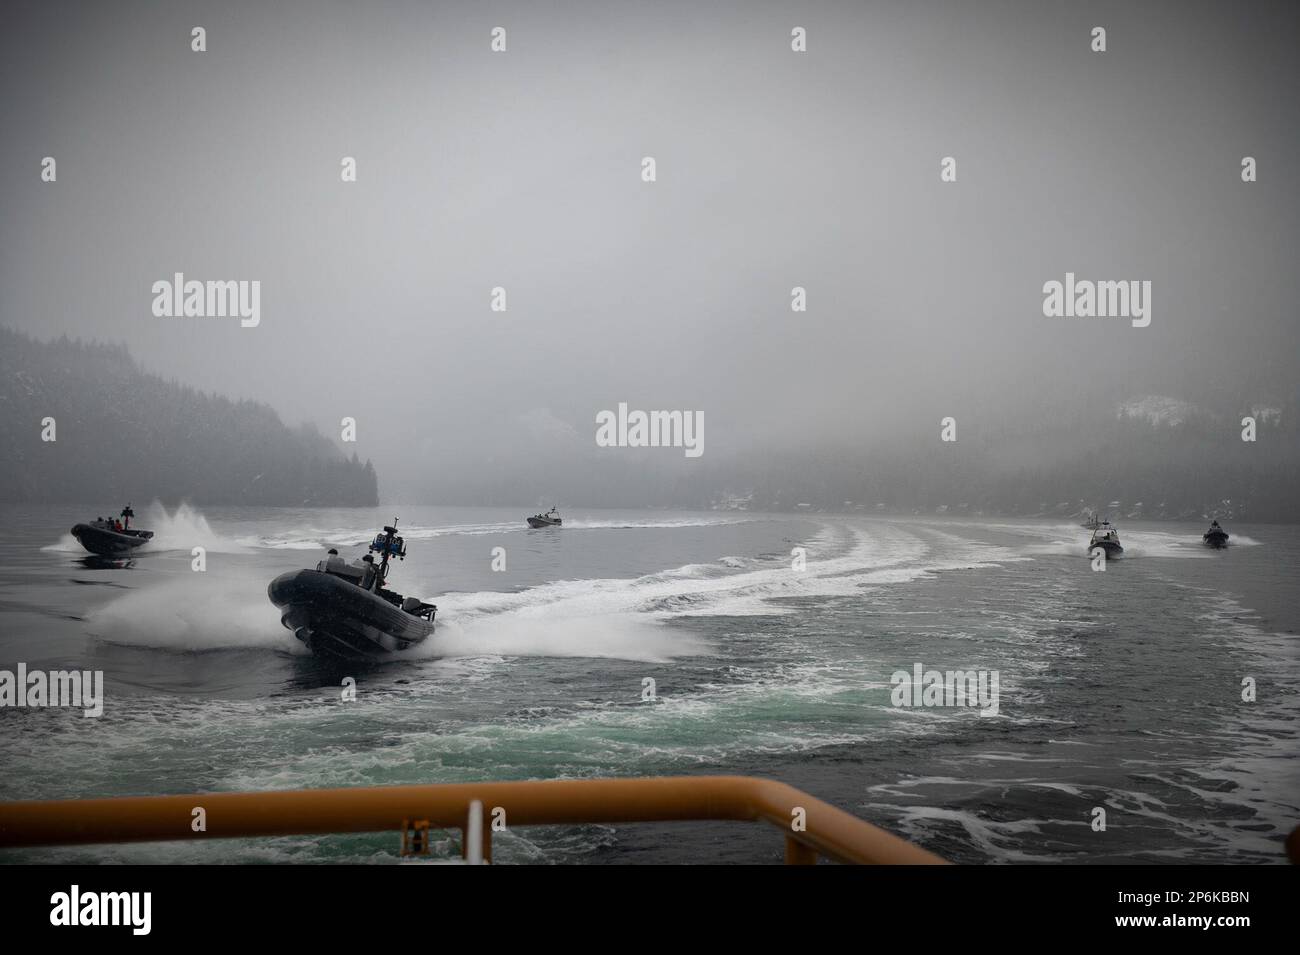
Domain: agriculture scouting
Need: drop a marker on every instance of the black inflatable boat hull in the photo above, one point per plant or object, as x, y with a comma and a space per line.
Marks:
338, 619
543, 522
106, 543
1216, 539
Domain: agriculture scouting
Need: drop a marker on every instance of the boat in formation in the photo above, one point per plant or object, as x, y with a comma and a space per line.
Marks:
1215, 537
1107, 538
550, 519
111, 537
343, 610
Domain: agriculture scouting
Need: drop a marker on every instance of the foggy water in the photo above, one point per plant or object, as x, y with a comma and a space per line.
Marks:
1120, 690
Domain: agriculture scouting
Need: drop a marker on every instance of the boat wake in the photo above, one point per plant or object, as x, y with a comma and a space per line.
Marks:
316, 538
595, 525
630, 619
609, 636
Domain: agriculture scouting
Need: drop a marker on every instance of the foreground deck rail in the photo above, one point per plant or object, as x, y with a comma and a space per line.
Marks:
826, 831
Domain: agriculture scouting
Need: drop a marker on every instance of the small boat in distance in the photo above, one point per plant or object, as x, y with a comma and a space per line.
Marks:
1090, 520
1107, 538
341, 609
1215, 537
108, 537
550, 519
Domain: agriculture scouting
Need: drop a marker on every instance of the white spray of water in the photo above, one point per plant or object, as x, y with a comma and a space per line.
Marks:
183, 529
202, 613
67, 544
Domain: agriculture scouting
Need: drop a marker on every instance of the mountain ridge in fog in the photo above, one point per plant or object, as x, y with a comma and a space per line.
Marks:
1160, 456
124, 434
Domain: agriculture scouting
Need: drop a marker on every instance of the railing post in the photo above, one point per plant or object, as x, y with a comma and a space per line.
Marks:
471, 845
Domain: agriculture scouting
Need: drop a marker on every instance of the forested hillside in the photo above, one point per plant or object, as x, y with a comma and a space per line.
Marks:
122, 433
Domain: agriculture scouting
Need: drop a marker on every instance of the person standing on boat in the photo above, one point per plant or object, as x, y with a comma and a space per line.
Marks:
369, 581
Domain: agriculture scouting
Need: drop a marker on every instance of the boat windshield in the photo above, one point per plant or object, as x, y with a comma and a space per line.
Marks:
338, 567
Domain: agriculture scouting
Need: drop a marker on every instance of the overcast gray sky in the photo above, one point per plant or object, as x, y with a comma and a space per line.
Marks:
775, 169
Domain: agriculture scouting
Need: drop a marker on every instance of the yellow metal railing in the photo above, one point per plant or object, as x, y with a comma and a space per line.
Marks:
812, 828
